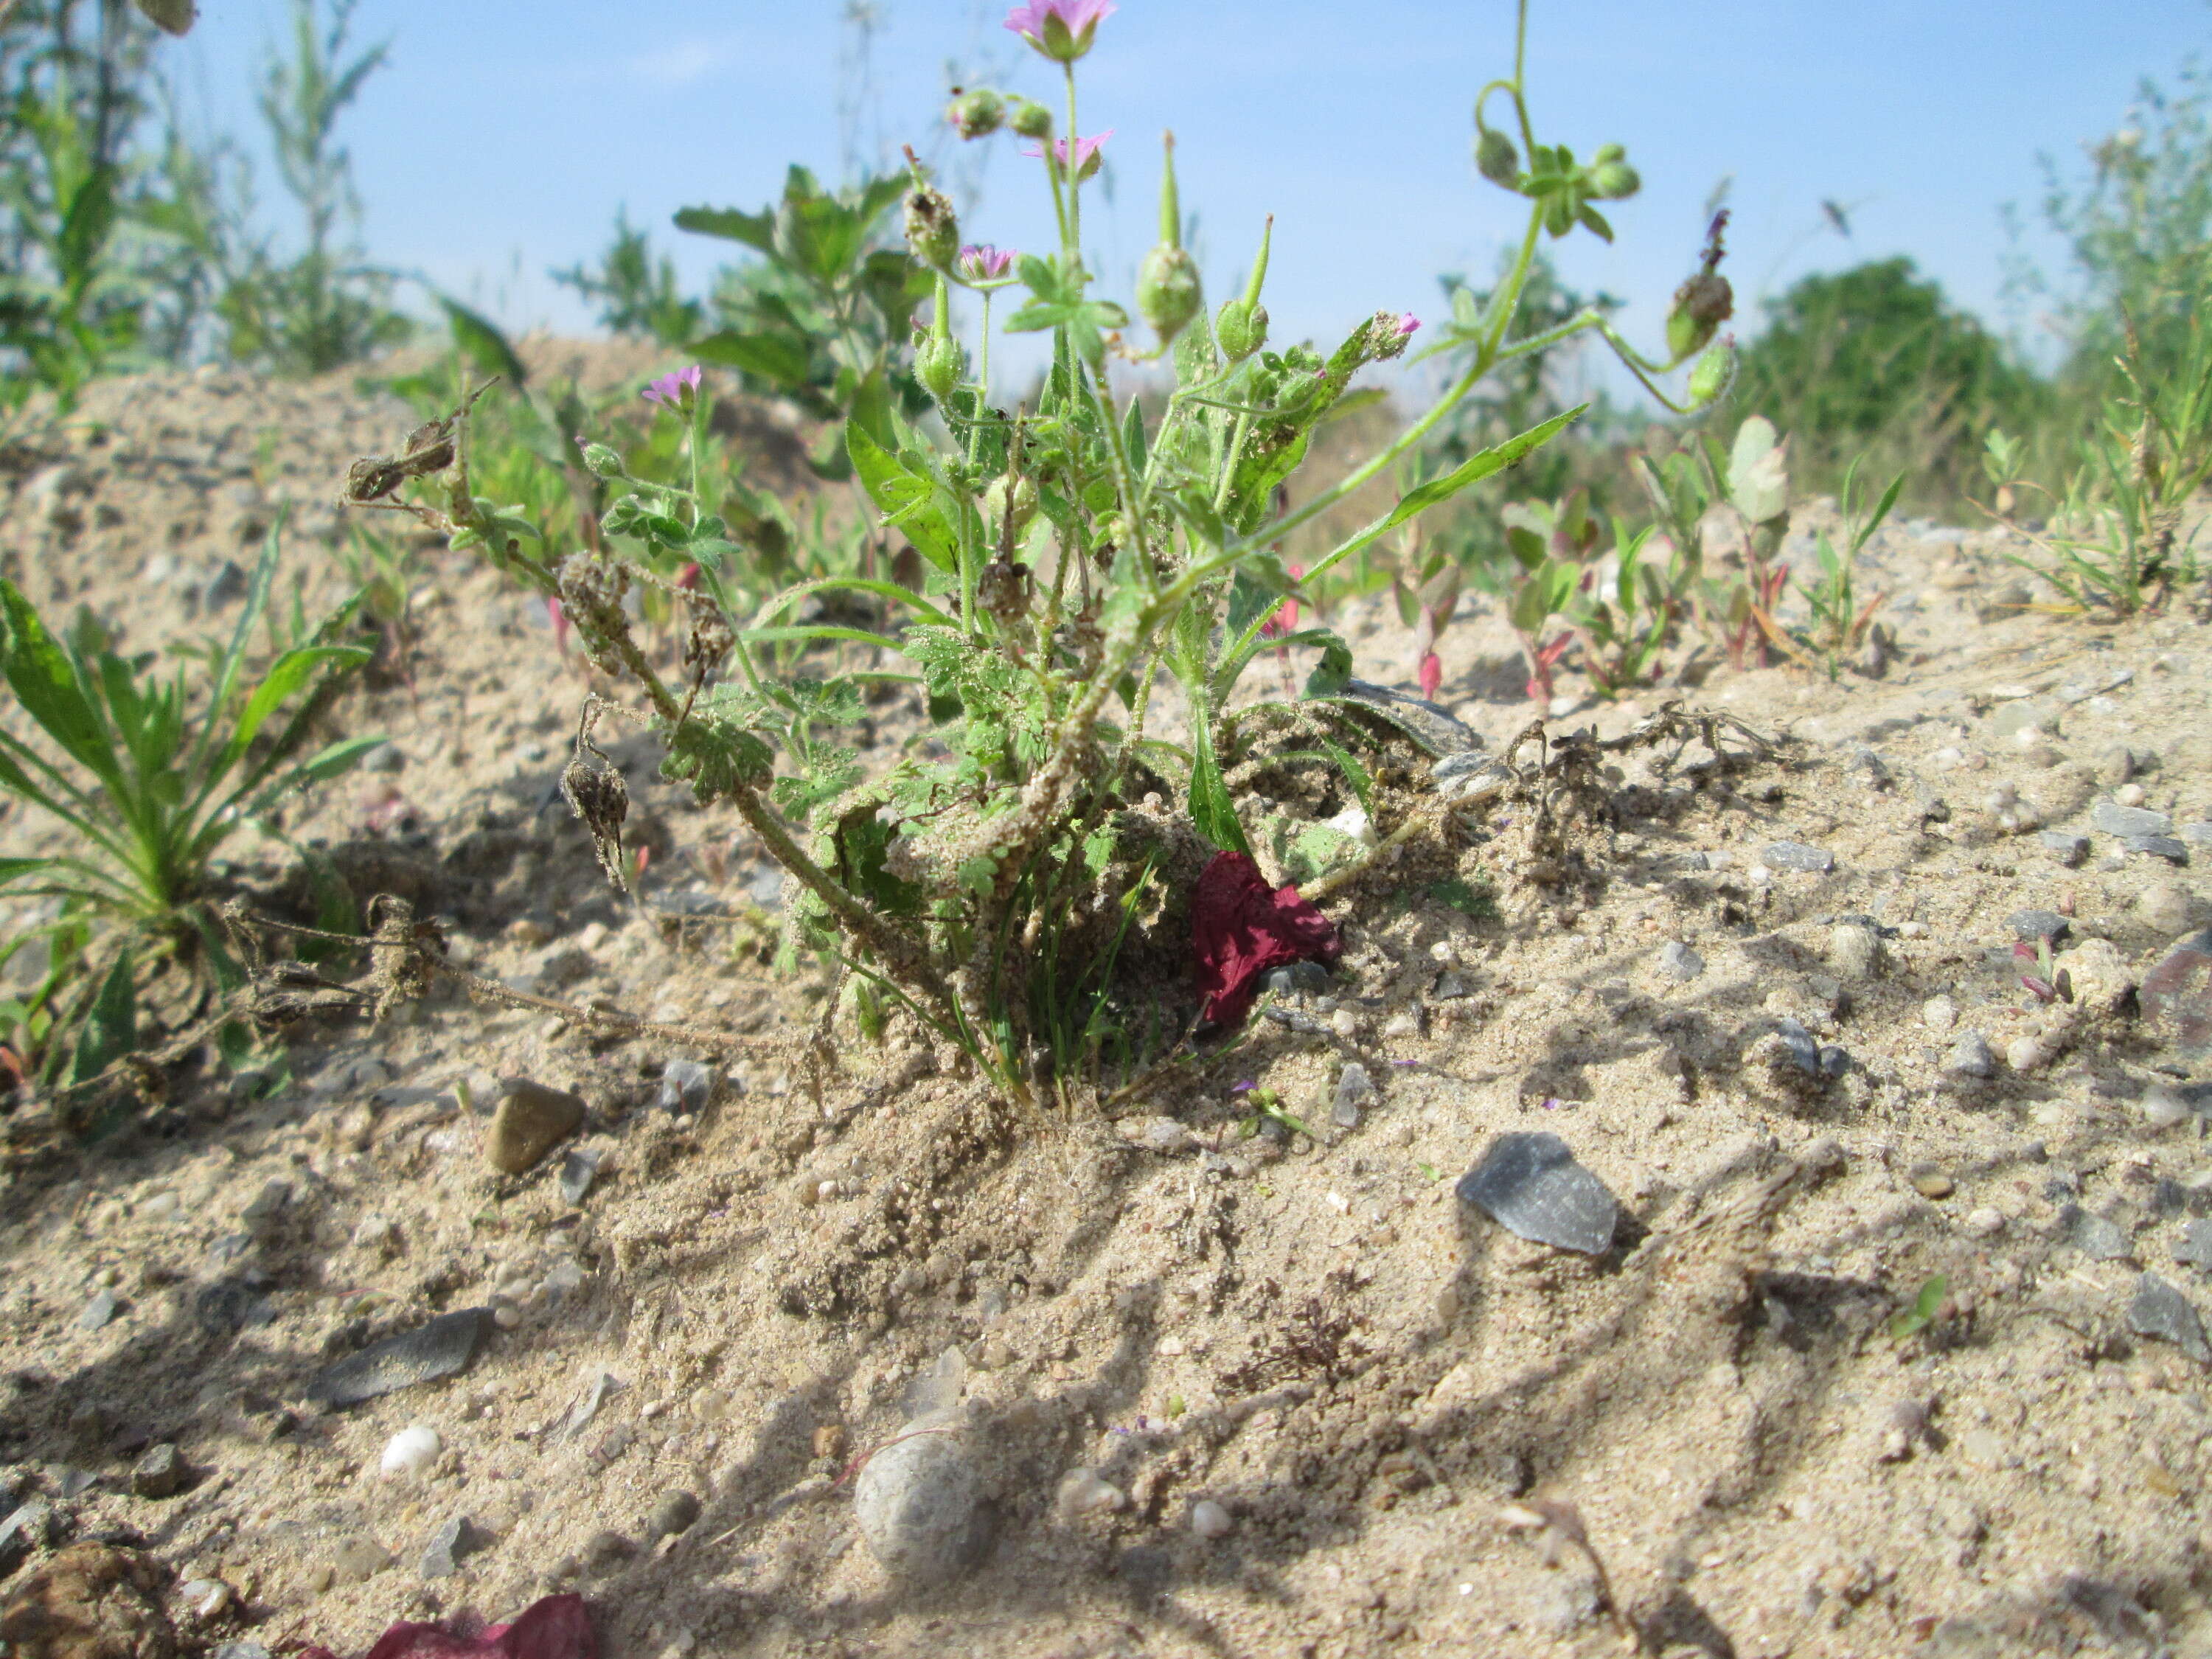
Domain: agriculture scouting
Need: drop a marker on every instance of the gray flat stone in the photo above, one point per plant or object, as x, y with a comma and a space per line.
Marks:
2161, 1311
2196, 834
1796, 855
2096, 1236
2157, 847
1530, 1185
578, 1172
2039, 924
1435, 729
2195, 1246
2114, 819
98, 1311
686, 1086
441, 1349
452, 1542
1677, 960
2068, 850
1354, 1090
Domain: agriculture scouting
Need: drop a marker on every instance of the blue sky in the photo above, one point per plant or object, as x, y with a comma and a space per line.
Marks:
506, 133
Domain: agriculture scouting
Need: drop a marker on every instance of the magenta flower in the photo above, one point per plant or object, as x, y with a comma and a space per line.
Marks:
1061, 29
674, 388
980, 262
1407, 324
1432, 676
1086, 153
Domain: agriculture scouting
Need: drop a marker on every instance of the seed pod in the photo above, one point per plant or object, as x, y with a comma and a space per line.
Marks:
1496, 158
1031, 119
977, 114
933, 231
1012, 495
1701, 306
1713, 375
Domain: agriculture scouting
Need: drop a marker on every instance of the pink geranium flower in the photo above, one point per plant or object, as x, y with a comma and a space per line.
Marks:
674, 388
1086, 153
983, 263
1061, 29
1407, 324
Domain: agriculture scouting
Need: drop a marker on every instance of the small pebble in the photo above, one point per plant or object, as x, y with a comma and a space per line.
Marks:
1796, 855
411, 1451
2026, 1054
1354, 1090
919, 1503
529, 1121
2038, 925
2162, 1107
98, 1311
686, 1086
2158, 1310
1086, 1492
1939, 1014
673, 1513
2114, 819
162, 1473
2129, 794
1970, 1056
1985, 1223
1680, 962
442, 1555
2157, 847
1209, 1519
2068, 850
1931, 1183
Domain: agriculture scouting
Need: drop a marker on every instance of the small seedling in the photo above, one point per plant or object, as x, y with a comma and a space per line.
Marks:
1927, 1306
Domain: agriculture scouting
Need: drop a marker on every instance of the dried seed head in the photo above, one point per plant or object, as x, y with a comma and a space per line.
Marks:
596, 794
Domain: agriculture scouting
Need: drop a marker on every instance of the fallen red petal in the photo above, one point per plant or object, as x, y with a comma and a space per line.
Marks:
556, 1627
1240, 927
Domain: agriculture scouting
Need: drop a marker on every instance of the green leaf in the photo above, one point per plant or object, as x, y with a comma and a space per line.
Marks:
110, 1025
754, 230
1211, 809
1906, 1320
286, 678
1331, 673
1363, 786
907, 500
776, 358
45, 682
1477, 467
481, 340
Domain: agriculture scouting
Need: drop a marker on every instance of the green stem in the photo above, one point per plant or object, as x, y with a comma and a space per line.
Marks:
1074, 230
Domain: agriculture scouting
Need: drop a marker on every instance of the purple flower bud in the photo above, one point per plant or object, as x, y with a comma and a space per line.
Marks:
1061, 29
676, 389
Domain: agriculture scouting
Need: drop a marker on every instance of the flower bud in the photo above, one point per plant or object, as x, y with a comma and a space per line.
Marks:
1701, 306
1031, 119
1062, 29
936, 366
1715, 372
1496, 158
602, 461
1240, 327
1010, 495
977, 114
1168, 294
1168, 290
932, 230
1611, 178
937, 359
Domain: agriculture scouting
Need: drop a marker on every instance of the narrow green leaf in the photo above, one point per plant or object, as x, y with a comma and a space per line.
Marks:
111, 1026
1477, 467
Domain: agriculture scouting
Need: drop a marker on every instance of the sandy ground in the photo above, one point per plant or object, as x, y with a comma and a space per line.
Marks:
1217, 1394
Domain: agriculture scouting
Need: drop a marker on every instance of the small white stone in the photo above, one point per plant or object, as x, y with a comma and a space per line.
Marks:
1401, 1025
411, 1451
1938, 1014
1084, 1491
1985, 1223
2027, 1053
2129, 794
2162, 1107
1209, 1519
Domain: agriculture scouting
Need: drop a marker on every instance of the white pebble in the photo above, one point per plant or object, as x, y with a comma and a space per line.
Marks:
1938, 1014
1209, 1519
1985, 1223
1084, 1491
2129, 794
2000, 798
412, 1451
2162, 1107
2027, 1053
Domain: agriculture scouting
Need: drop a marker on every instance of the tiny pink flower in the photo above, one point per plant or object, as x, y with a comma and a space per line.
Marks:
980, 262
559, 618
675, 388
1432, 676
1407, 324
1061, 29
1087, 158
